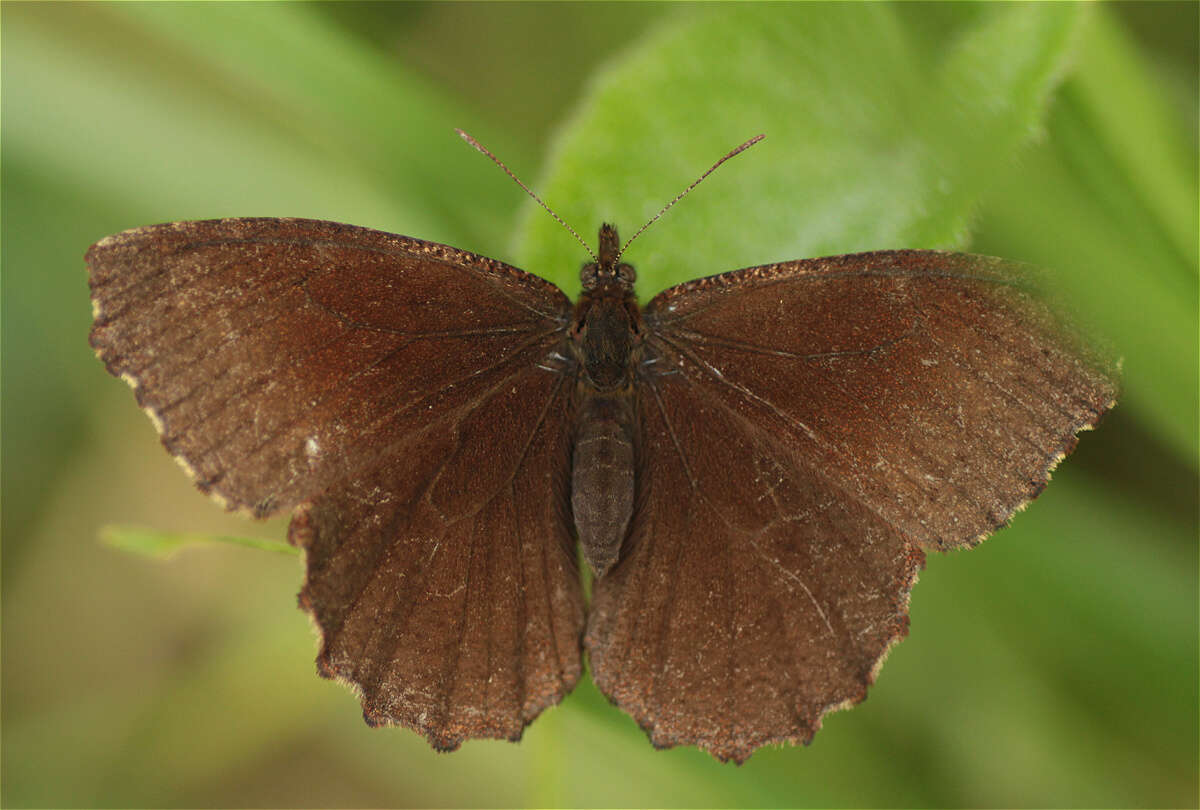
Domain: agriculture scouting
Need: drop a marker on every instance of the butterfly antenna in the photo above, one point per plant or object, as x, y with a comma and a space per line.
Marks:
682, 194
517, 180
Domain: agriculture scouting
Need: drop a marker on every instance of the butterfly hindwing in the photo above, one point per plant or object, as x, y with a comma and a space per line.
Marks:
752, 596
446, 589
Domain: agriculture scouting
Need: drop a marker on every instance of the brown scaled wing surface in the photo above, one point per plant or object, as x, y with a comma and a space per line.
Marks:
807, 429
390, 388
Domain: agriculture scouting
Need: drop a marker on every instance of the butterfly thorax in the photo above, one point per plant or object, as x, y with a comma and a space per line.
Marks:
606, 340
607, 329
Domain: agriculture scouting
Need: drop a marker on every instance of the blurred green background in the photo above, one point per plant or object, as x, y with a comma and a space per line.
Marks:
1054, 665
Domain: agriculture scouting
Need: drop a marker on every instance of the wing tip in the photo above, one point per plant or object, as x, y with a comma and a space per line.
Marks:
1036, 483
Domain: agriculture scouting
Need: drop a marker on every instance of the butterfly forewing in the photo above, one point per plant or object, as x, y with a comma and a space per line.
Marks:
806, 428
412, 397
280, 356
934, 387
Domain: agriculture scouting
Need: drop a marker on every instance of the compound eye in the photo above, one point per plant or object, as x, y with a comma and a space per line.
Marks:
588, 275
625, 272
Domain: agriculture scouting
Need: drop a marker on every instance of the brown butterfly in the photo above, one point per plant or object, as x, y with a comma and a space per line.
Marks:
753, 463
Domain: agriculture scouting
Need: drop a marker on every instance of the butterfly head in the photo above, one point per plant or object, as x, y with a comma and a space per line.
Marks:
608, 270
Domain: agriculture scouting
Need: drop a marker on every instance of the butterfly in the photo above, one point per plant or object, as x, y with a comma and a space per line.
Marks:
752, 465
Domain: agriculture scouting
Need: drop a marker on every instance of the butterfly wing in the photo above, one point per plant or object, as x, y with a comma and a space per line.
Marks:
403, 394
808, 428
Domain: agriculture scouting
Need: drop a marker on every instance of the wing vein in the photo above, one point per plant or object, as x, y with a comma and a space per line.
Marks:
783, 415
751, 427
521, 626
369, 429
836, 385
671, 604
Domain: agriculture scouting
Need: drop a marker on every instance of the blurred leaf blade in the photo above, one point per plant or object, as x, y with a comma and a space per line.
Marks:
373, 116
162, 544
1097, 215
208, 92
1129, 108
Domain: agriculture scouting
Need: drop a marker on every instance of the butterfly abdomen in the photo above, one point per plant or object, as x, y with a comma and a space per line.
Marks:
602, 480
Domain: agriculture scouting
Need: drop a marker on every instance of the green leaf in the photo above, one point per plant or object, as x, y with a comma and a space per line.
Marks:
155, 543
881, 133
